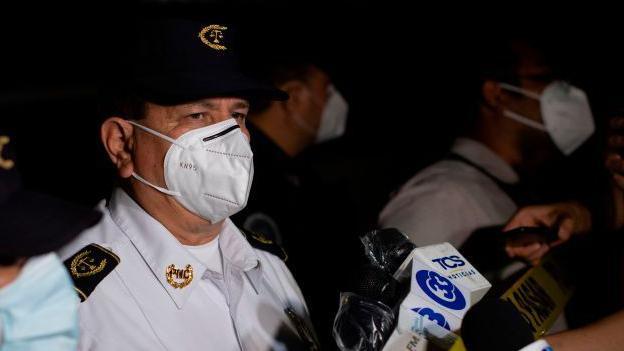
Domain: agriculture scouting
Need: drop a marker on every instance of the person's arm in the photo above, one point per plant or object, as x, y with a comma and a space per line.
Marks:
568, 218
604, 335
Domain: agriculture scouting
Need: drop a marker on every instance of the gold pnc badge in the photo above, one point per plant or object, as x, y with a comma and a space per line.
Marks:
213, 36
174, 275
5, 164
85, 265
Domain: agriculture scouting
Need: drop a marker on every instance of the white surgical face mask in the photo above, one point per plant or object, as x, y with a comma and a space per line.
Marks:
39, 310
209, 170
333, 118
565, 111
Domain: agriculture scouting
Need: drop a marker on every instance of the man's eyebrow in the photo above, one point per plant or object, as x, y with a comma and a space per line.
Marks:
212, 106
240, 104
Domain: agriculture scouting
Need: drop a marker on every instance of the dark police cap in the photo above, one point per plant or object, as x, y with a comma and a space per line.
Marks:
33, 223
180, 60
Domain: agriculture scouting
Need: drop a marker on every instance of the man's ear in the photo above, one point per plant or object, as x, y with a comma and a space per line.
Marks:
492, 94
117, 137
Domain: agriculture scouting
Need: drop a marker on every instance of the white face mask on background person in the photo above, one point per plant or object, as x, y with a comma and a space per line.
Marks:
333, 121
566, 114
334, 117
39, 310
208, 170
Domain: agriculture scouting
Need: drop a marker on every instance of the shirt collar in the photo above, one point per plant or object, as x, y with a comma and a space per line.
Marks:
486, 158
236, 249
160, 249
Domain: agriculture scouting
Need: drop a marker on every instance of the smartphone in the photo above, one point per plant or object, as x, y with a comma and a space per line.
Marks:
524, 236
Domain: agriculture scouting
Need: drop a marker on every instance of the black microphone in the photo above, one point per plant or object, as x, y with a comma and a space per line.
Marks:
387, 249
365, 319
368, 307
495, 324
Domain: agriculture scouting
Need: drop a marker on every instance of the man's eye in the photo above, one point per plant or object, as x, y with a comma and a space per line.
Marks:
238, 115
199, 115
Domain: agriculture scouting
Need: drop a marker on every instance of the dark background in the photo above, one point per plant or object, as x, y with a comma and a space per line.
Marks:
404, 69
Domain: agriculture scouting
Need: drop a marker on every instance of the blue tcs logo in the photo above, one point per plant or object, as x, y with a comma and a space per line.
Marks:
449, 262
440, 290
432, 315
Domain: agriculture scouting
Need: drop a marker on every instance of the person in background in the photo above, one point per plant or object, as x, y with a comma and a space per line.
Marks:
290, 202
526, 118
38, 304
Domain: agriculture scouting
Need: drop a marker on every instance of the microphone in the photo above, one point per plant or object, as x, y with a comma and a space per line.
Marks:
541, 293
406, 341
495, 324
366, 316
444, 285
524, 312
365, 319
388, 249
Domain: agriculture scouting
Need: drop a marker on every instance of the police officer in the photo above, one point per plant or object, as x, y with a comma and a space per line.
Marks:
38, 305
291, 200
166, 269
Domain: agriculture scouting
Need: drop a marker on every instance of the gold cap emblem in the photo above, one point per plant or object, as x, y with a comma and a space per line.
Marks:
213, 36
5, 164
174, 274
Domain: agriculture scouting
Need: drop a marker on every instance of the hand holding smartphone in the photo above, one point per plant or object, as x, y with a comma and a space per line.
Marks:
525, 236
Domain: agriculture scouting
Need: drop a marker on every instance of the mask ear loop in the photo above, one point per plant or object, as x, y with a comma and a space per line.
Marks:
526, 121
162, 190
518, 117
521, 91
153, 132
143, 180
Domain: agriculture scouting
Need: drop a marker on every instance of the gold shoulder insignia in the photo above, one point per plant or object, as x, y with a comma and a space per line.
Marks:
261, 242
89, 266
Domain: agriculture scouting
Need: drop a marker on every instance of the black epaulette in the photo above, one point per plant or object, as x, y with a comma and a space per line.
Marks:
89, 266
262, 242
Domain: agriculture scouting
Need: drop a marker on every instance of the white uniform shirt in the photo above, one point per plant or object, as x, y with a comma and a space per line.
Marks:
448, 200
135, 308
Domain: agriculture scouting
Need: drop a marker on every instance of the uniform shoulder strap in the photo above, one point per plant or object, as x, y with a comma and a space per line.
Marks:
265, 243
89, 266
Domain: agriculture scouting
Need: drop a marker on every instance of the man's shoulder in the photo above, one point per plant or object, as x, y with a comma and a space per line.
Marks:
92, 256
105, 233
89, 266
439, 180
444, 171
264, 243
433, 194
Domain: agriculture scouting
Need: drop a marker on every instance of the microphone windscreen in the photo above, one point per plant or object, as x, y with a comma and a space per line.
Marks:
387, 248
375, 284
495, 324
